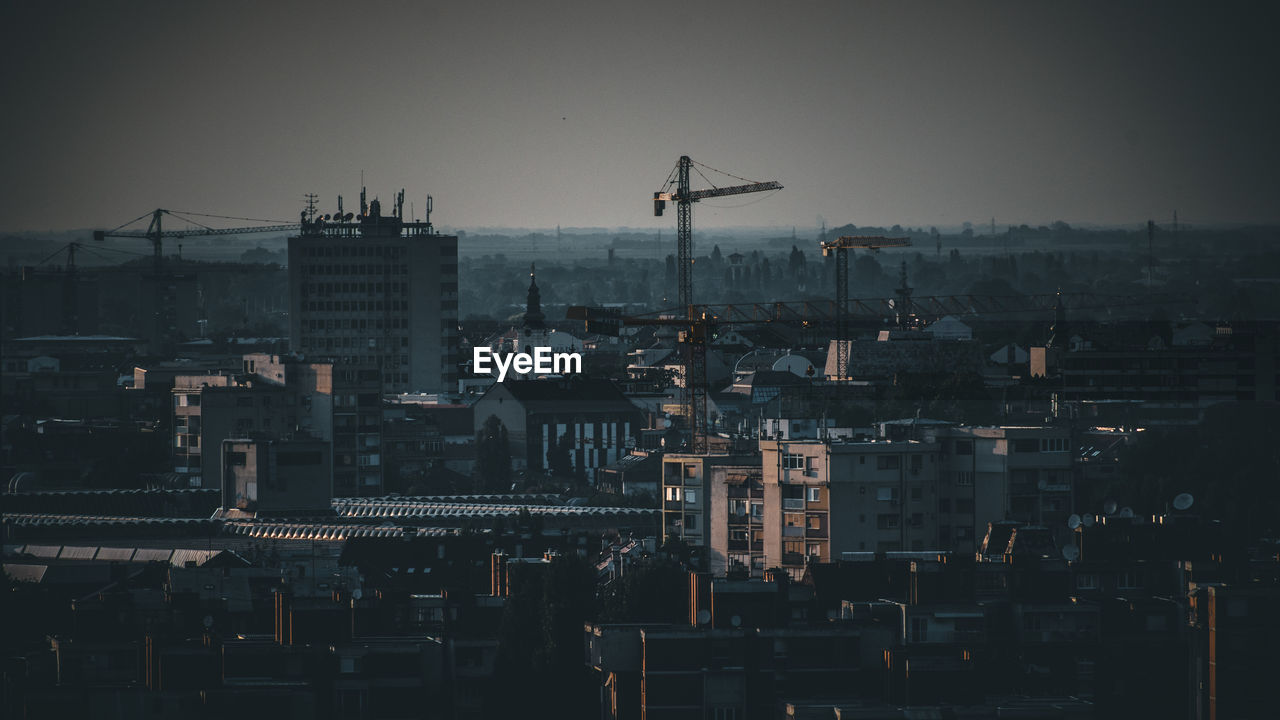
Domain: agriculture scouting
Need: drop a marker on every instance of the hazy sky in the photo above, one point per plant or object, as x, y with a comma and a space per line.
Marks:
533, 114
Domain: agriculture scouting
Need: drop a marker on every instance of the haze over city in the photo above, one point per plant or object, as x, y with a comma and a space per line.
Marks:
756, 361
531, 115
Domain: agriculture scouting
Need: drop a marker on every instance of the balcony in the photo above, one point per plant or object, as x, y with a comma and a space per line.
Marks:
793, 503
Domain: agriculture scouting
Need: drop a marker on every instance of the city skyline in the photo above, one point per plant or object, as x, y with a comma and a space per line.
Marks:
528, 117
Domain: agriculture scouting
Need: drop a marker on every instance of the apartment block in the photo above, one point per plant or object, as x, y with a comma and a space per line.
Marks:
824, 499
377, 291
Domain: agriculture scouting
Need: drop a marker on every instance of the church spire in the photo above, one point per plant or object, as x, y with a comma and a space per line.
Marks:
533, 317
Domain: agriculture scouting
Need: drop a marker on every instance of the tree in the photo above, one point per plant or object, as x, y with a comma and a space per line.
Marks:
560, 457
493, 455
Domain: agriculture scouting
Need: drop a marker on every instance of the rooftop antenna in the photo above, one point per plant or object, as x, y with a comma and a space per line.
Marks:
311, 206
427, 219
364, 206
340, 213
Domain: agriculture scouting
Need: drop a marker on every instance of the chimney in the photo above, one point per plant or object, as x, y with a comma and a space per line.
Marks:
498, 574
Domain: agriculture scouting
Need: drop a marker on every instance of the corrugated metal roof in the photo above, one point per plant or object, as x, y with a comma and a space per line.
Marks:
73, 552
115, 554
152, 555
23, 572
44, 551
181, 557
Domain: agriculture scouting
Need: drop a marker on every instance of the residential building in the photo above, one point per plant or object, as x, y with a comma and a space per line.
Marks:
824, 499
379, 291
686, 497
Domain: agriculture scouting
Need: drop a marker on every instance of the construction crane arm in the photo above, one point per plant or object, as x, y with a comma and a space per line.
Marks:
194, 232
722, 191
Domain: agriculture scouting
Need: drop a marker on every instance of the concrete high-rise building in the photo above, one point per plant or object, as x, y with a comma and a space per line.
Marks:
380, 291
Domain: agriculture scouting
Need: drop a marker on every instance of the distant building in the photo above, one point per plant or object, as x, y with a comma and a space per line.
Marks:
592, 416
377, 291
279, 396
286, 477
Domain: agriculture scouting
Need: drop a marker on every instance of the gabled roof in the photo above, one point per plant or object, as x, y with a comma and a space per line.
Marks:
565, 396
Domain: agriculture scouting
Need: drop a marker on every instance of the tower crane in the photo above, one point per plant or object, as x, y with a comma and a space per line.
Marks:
840, 247
684, 198
163, 305
694, 397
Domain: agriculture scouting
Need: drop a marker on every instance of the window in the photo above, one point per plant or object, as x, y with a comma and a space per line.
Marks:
738, 507
673, 494
814, 494
691, 496
964, 477
917, 493
964, 447
888, 462
690, 522
793, 462
886, 494
1025, 445
813, 550
1087, 581
1053, 445
757, 510
886, 521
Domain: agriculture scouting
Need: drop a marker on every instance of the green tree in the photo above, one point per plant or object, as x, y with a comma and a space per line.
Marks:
559, 458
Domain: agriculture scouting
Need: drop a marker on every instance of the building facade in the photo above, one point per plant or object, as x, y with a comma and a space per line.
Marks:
377, 291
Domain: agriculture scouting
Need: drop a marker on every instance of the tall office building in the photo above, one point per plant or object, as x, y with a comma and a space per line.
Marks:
377, 291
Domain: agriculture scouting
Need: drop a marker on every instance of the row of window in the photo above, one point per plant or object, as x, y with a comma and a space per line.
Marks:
357, 305
389, 251
382, 269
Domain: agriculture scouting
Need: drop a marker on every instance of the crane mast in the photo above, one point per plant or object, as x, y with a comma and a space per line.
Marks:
163, 311
694, 395
841, 247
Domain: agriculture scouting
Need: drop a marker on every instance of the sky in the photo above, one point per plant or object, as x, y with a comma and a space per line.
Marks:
538, 114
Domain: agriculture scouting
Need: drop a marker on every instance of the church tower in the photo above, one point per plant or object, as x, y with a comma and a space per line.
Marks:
533, 317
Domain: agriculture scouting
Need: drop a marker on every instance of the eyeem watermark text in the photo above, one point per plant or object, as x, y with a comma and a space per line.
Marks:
541, 362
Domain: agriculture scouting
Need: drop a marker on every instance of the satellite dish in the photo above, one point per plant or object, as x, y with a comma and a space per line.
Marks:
1109, 507
357, 593
348, 216
1073, 522
1088, 520
1071, 553
736, 621
704, 616
207, 621
1183, 501
1126, 512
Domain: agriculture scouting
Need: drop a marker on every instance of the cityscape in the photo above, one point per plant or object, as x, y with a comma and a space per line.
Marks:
509, 415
